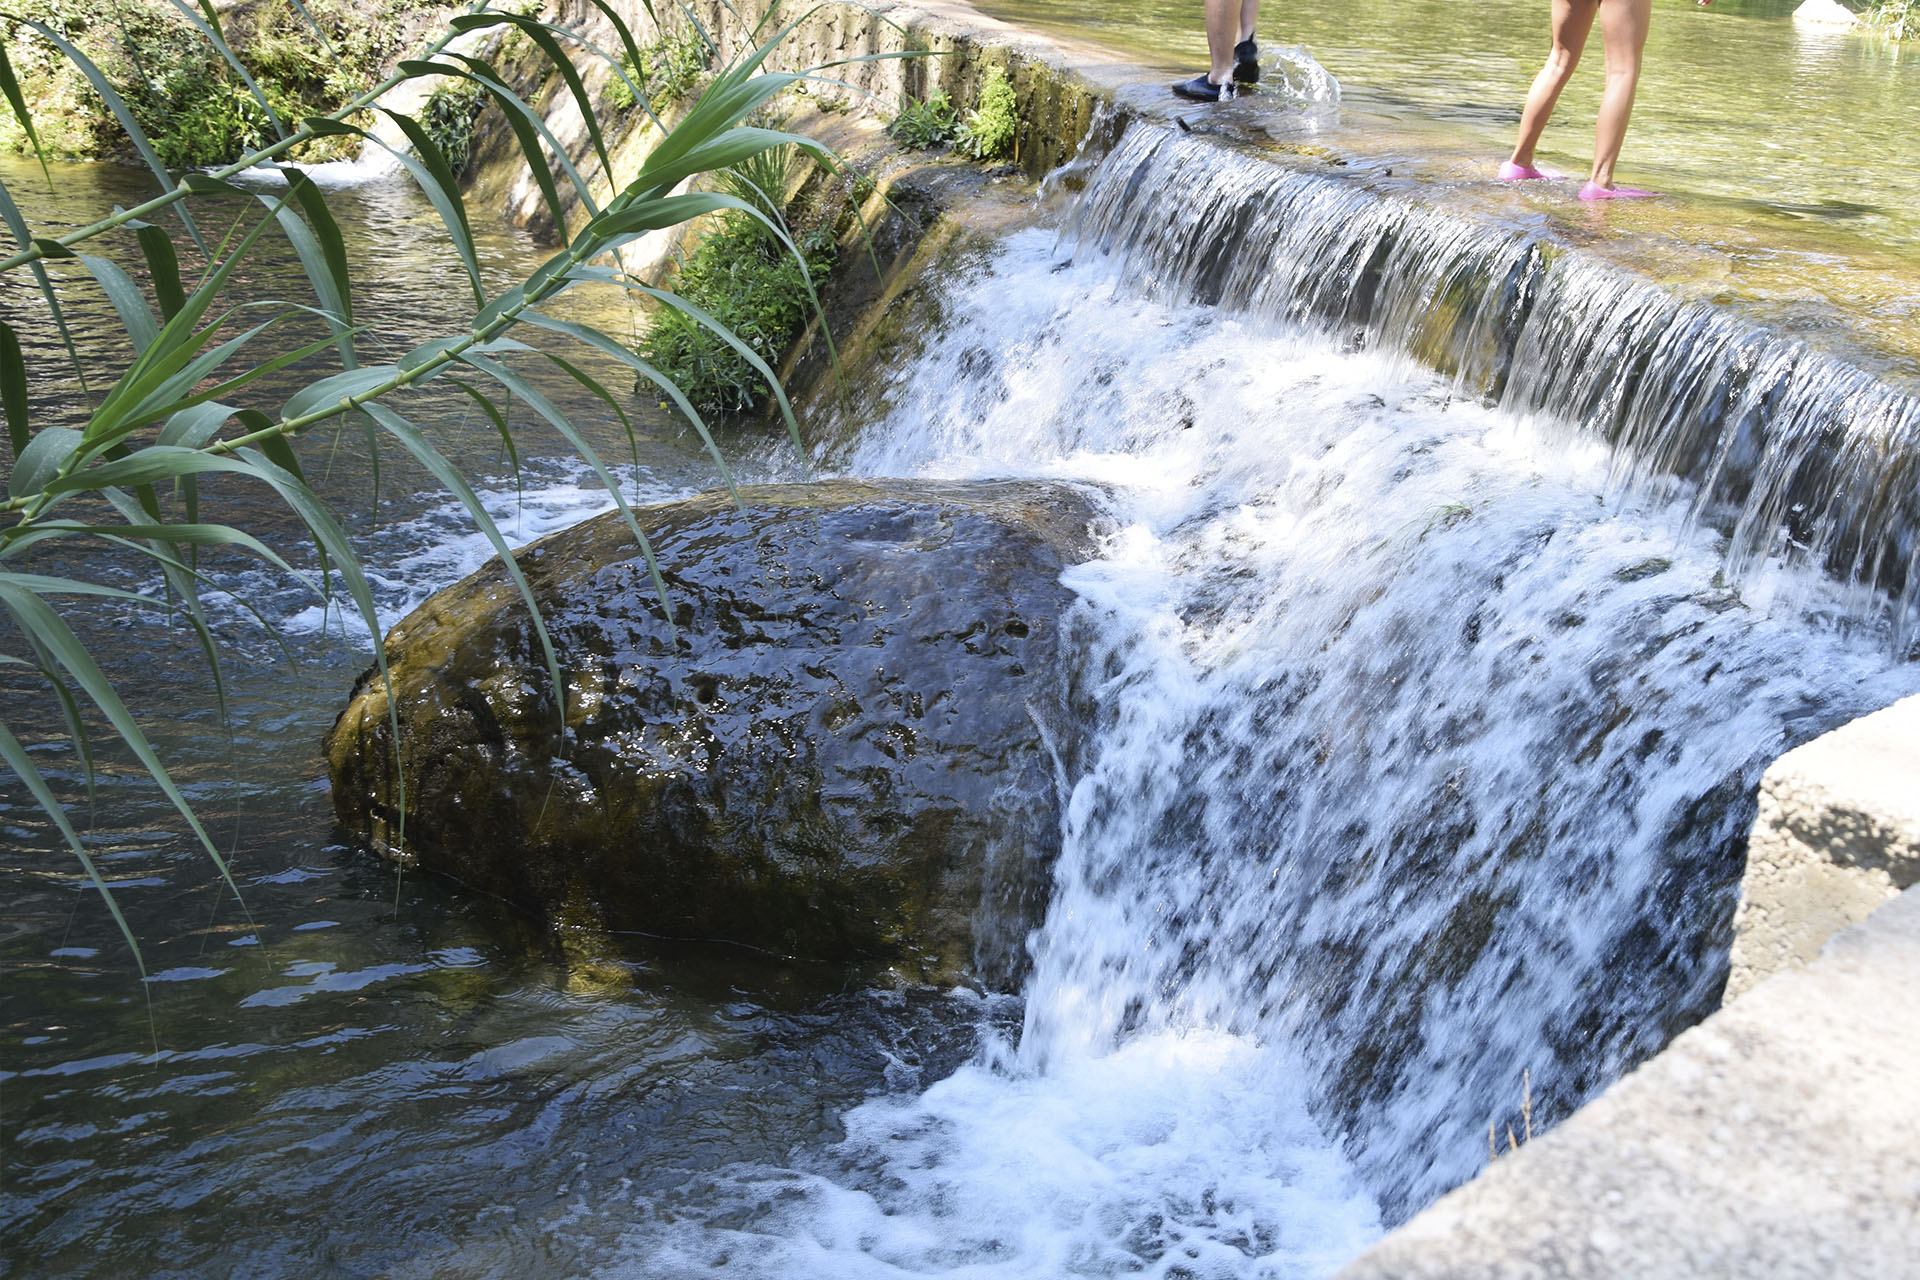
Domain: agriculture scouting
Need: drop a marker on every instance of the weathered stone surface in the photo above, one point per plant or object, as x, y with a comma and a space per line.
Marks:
1780, 1138
843, 746
1838, 834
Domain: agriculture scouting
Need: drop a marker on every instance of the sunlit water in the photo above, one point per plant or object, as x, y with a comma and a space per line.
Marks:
1422, 736
1787, 151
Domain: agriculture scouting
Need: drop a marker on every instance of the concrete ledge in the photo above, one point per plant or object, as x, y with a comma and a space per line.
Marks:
1778, 1139
1838, 834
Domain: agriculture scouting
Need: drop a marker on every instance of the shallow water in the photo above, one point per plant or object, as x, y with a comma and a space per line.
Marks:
1414, 722
1788, 152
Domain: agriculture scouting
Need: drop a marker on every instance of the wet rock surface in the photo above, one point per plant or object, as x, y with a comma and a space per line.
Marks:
843, 747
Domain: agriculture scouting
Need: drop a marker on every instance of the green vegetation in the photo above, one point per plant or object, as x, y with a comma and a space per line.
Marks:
185, 94
449, 116
109, 454
753, 282
924, 125
990, 128
667, 72
1897, 18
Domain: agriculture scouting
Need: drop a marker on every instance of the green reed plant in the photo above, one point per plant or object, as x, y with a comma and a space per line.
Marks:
188, 402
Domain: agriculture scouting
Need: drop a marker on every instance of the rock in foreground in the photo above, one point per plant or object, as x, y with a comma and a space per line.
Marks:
840, 749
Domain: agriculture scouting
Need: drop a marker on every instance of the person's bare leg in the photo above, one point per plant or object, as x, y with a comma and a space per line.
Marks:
1572, 20
1249, 17
1223, 32
1623, 34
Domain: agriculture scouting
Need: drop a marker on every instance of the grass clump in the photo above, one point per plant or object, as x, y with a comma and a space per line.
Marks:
669, 69
989, 130
745, 277
921, 126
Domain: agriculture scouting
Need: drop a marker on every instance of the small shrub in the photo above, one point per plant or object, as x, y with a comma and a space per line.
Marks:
924, 125
449, 117
746, 279
990, 128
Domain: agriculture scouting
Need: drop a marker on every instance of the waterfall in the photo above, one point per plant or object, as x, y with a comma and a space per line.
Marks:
1796, 453
1421, 714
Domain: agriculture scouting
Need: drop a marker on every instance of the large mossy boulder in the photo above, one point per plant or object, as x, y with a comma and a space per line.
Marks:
844, 746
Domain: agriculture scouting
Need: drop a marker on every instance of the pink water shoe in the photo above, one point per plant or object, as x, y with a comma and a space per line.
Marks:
1511, 172
1594, 191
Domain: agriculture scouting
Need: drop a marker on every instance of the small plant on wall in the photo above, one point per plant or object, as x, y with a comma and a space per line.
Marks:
921, 126
990, 128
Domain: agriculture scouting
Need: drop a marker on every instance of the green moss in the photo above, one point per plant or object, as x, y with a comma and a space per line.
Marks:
990, 128
669, 69
750, 282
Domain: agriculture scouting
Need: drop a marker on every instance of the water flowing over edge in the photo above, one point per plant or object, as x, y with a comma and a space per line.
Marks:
1798, 455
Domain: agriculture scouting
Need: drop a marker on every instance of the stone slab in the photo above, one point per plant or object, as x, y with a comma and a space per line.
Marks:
1837, 835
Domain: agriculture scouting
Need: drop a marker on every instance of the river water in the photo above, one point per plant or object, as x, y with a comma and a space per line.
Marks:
1426, 722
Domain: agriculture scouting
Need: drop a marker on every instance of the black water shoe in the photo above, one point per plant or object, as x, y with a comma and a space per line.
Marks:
1203, 89
1246, 62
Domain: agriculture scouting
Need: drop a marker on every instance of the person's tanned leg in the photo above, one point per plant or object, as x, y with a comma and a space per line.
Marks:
1623, 34
1223, 32
1572, 20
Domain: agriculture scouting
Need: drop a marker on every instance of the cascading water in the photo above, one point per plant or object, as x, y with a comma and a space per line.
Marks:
1424, 729
1420, 712
1797, 453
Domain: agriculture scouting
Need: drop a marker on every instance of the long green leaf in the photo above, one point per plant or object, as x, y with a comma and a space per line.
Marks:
333, 252
318, 31
541, 34
11, 87
448, 475
592, 384
10, 214
313, 261
128, 303
34, 616
599, 341
39, 464
163, 265
437, 183
14, 399
534, 400
500, 426
22, 764
212, 32
517, 110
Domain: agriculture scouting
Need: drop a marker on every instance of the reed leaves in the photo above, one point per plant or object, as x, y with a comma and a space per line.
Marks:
110, 472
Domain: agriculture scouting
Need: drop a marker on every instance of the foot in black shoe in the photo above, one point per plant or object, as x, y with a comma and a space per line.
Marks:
1246, 62
1203, 89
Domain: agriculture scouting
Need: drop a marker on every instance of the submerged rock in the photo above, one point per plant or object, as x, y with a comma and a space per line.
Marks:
844, 745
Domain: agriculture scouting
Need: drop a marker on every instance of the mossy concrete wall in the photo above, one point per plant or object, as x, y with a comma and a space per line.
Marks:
885, 54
